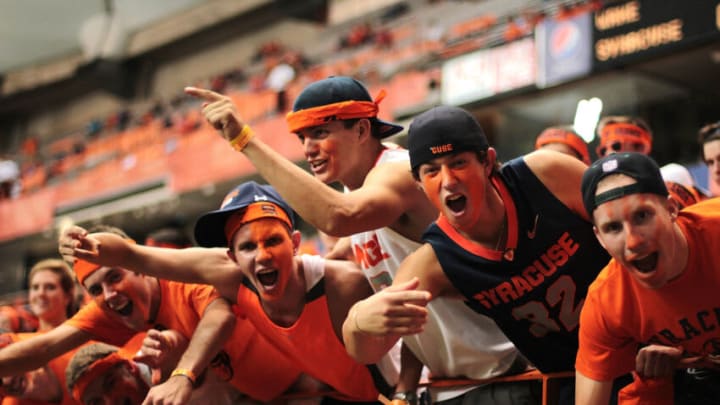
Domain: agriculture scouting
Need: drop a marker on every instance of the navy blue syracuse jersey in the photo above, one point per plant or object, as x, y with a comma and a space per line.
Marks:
535, 286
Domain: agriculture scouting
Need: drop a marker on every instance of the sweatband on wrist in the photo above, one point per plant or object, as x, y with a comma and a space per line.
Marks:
239, 141
185, 373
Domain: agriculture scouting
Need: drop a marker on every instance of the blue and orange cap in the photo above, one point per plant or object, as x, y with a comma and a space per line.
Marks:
245, 203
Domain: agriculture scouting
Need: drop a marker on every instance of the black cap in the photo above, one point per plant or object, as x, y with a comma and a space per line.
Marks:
639, 166
210, 227
336, 89
441, 131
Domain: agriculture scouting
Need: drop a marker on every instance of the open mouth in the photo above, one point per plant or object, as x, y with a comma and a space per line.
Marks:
125, 310
267, 278
456, 203
646, 264
17, 386
318, 165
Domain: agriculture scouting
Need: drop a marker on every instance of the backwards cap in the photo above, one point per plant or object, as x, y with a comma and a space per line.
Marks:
443, 130
567, 137
337, 98
638, 166
245, 203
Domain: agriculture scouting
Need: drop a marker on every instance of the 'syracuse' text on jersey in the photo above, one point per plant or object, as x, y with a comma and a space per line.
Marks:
535, 287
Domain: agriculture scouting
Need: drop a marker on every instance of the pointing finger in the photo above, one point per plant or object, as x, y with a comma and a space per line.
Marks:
204, 94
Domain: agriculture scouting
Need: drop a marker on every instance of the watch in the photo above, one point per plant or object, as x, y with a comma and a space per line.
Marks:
410, 397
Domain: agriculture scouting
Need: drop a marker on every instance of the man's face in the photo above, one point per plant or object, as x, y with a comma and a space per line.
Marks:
47, 298
329, 150
122, 294
265, 250
37, 385
120, 385
711, 153
456, 185
638, 232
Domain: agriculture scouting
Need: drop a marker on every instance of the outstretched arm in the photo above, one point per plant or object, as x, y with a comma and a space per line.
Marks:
212, 331
36, 352
375, 324
385, 195
191, 265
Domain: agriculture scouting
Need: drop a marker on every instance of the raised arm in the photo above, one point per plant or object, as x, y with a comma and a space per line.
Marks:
562, 175
30, 354
191, 265
214, 328
387, 192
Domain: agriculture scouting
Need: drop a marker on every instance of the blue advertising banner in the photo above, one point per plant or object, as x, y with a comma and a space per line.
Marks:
564, 49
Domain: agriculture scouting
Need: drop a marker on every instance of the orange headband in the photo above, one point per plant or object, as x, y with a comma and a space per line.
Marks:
83, 269
557, 135
343, 110
685, 196
623, 131
254, 211
95, 369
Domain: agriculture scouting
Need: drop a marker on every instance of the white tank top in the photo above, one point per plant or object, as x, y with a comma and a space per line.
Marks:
457, 341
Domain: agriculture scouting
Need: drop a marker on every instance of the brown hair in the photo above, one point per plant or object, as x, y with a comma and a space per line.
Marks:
62, 270
708, 133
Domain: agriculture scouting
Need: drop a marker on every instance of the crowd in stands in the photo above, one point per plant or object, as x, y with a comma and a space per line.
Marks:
378, 50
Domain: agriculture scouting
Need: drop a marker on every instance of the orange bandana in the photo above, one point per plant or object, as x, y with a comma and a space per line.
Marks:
557, 135
254, 211
624, 132
344, 110
83, 269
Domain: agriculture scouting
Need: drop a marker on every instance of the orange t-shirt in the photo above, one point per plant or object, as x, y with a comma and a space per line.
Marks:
248, 361
619, 315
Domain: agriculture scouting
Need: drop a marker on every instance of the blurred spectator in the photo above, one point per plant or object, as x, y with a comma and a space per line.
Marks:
17, 318
30, 146
218, 83
565, 140
51, 293
359, 34
9, 178
622, 133
513, 30
169, 237
280, 74
384, 39
93, 128
709, 138
268, 49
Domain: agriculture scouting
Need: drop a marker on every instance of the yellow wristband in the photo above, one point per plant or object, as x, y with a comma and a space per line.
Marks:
241, 140
185, 373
